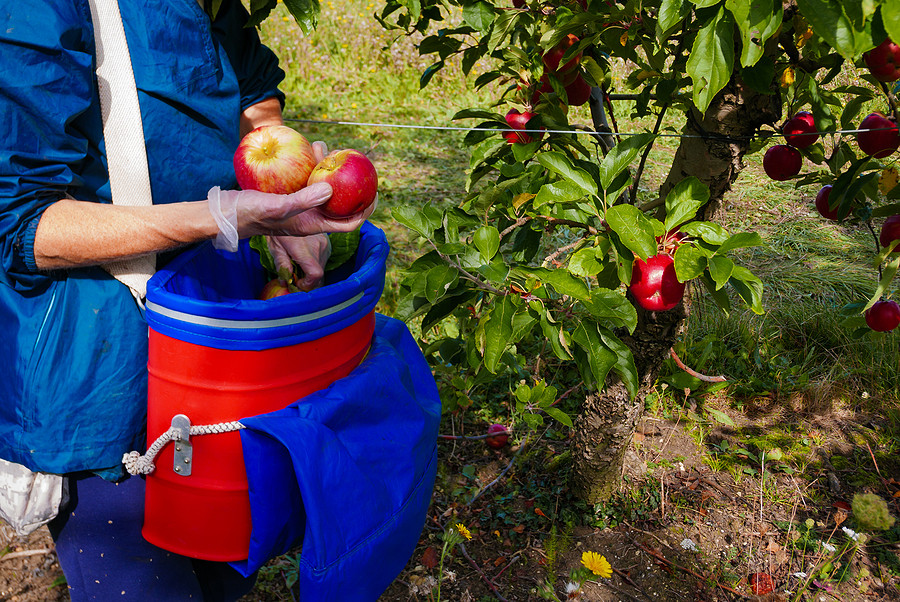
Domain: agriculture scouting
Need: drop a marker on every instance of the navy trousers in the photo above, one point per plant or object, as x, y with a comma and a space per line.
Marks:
104, 557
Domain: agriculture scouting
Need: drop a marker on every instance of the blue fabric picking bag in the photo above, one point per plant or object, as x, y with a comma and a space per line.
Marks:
359, 458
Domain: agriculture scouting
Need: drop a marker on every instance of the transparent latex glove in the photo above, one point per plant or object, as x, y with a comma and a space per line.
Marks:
311, 253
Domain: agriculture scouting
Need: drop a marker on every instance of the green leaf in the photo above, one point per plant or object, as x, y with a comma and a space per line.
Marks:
683, 201
562, 191
556, 335
487, 241
711, 59
620, 157
704, 3
690, 262
559, 416
424, 221
740, 240
719, 296
343, 248
612, 305
714, 234
624, 365
498, 330
600, 359
561, 165
671, 13
504, 24
748, 287
720, 269
757, 21
439, 280
562, 282
259, 10
887, 276
890, 16
589, 261
829, 20
479, 15
305, 12
720, 416
634, 229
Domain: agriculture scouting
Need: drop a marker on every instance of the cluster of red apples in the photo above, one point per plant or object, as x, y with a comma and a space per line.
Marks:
278, 159
569, 75
877, 136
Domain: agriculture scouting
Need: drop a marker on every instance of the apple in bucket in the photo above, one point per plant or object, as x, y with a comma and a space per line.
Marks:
273, 158
353, 180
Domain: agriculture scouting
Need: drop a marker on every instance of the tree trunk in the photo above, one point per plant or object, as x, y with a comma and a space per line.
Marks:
713, 152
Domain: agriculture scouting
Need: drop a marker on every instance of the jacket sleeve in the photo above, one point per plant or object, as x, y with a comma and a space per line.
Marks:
46, 82
255, 65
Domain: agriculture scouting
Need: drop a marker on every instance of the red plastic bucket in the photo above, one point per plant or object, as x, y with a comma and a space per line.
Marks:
207, 515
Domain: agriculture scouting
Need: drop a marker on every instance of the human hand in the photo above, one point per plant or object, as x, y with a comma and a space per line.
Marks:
243, 213
311, 253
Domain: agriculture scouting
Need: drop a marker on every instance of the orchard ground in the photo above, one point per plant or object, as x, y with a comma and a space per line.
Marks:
720, 484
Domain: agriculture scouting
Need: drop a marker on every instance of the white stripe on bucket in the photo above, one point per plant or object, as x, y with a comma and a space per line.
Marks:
249, 324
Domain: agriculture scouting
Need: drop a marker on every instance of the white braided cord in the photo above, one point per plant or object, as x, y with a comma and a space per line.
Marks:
137, 464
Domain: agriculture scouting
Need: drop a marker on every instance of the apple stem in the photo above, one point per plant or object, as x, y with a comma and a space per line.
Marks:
694, 373
877, 243
892, 101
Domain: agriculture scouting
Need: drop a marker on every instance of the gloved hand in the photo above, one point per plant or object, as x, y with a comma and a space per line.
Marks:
311, 253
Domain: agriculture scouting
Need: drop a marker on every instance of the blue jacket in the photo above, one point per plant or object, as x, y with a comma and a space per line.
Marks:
73, 344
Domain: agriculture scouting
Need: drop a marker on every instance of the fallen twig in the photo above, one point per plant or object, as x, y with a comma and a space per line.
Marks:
501, 475
490, 584
631, 582
503, 570
23, 553
694, 373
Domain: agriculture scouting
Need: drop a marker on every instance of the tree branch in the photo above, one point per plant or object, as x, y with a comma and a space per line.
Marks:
694, 373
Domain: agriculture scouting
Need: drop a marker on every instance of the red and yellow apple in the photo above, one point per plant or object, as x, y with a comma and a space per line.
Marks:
274, 288
273, 158
353, 180
519, 121
497, 437
553, 56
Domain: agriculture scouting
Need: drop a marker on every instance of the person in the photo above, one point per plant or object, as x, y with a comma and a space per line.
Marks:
73, 339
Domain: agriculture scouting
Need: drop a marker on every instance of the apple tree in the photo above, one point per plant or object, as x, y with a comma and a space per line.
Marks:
553, 259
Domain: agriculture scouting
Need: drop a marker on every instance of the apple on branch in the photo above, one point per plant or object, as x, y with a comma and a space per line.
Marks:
782, 162
878, 136
883, 316
883, 61
654, 284
353, 180
800, 130
519, 121
273, 158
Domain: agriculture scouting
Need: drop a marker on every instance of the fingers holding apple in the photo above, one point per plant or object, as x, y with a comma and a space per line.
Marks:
275, 159
353, 180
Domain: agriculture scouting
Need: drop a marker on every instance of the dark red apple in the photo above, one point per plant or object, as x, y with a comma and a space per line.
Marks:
822, 203
800, 130
552, 57
578, 92
654, 284
353, 179
519, 121
274, 288
884, 316
273, 158
497, 441
890, 231
883, 61
518, 3
782, 162
880, 138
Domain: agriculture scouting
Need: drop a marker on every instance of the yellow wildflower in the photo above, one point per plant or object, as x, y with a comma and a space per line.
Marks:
597, 564
463, 531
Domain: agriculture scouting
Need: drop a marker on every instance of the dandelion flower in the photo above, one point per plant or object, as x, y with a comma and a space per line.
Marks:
597, 564
463, 531
573, 591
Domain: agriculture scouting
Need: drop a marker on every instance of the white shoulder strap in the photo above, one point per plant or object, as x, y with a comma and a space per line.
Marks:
123, 132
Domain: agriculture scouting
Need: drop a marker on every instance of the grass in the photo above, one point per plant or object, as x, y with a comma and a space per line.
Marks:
799, 383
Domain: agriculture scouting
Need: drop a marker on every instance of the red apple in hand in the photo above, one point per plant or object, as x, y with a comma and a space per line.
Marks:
273, 158
782, 162
497, 441
519, 121
880, 138
654, 284
274, 288
884, 316
353, 180
883, 61
800, 130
